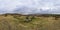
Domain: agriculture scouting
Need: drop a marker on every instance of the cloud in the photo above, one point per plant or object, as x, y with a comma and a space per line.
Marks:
32, 6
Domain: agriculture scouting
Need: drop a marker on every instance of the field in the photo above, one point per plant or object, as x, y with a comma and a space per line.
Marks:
29, 22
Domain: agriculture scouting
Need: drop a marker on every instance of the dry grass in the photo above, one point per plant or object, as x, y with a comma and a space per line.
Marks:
16, 22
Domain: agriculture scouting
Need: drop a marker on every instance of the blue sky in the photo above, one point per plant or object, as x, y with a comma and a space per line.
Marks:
30, 6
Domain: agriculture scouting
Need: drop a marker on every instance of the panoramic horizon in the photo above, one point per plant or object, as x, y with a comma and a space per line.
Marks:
29, 14
30, 6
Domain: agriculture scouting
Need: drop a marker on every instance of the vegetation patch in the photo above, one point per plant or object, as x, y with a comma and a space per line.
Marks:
29, 22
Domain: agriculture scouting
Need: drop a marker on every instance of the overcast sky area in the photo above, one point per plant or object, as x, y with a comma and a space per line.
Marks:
30, 6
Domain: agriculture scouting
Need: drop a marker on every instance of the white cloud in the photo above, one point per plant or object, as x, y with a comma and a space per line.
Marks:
10, 5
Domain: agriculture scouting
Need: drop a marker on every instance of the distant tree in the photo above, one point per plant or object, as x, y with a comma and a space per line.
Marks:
28, 19
6, 15
56, 17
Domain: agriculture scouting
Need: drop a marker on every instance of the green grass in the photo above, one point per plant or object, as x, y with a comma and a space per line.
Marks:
16, 22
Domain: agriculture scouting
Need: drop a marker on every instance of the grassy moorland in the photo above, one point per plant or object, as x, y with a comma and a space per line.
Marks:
29, 22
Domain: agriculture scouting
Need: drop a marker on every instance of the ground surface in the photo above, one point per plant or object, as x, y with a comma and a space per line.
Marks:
16, 22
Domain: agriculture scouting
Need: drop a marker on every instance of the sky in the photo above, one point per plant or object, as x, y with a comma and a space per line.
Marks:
30, 6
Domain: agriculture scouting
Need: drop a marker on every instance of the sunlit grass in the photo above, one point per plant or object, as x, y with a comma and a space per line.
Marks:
16, 22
